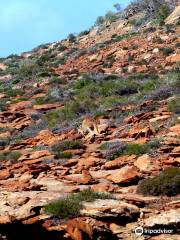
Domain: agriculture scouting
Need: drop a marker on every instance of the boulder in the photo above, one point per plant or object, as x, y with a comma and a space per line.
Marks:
110, 208
125, 175
78, 226
119, 162
166, 218
144, 163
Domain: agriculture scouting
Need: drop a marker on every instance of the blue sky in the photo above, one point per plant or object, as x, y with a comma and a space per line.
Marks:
25, 24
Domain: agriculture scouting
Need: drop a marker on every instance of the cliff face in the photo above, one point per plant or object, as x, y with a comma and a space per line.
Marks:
123, 78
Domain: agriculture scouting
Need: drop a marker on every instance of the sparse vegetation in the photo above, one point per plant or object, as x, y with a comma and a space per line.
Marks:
166, 183
63, 155
83, 33
162, 14
71, 37
62, 48
174, 105
71, 205
61, 149
160, 94
3, 105
99, 21
120, 77
68, 144
10, 156
132, 21
167, 51
136, 149
113, 150
14, 92
125, 36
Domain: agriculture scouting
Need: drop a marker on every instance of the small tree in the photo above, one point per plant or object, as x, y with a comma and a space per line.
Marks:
117, 6
109, 16
71, 37
162, 14
100, 20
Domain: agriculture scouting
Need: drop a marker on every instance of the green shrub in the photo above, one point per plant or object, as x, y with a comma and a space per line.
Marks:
2, 129
149, 30
40, 100
59, 148
61, 61
28, 69
20, 99
4, 141
160, 94
174, 105
124, 70
14, 92
3, 105
64, 208
43, 59
71, 37
167, 51
12, 156
80, 83
88, 195
178, 23
63, 155
15, 81
62, 48
162, 14
110, 16
52, 118
111, 101
76, 108
117, 149
113, 150
109, 61
169, 28
99, 21
71, 111
142, 62
136, 149
172, 79
56, 80
71, 205
154, 144
125, 36
166, 183
83, 33
132, 21
68, 144
45, 100
64, 115
149, 85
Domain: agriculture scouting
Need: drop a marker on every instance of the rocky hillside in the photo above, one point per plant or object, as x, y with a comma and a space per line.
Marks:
60, 180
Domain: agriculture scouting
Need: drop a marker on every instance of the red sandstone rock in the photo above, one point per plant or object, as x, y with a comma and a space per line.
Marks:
119, 162
5, 174
144, 163
124, 175
76, 227
20, 106
45, 107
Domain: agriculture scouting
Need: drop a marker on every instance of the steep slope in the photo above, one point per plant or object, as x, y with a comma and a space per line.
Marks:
123, 75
